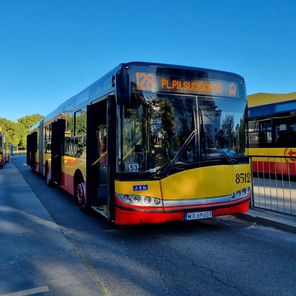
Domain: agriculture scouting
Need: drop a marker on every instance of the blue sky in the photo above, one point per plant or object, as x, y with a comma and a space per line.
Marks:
51, 50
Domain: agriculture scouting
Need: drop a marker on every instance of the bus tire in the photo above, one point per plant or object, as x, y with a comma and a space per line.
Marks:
80, 195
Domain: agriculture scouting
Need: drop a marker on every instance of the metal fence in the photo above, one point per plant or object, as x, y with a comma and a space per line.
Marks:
274, 183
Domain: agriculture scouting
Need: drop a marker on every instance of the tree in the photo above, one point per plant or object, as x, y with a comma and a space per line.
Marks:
23, 127
16, 132
226, 133
10, 130
29, 120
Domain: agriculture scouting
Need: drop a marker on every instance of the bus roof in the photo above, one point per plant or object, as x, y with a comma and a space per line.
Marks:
147, 64
261, 99
104, 86
97, 89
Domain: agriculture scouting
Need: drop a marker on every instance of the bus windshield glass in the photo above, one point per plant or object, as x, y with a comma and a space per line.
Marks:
197, 130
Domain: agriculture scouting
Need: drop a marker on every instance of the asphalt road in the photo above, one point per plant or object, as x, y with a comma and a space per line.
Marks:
225, 256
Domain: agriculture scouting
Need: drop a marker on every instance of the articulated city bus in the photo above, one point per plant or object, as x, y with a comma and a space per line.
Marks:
272, 133
4, 153
150, 143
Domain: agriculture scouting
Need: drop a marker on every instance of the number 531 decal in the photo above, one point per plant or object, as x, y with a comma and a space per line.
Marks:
242, 178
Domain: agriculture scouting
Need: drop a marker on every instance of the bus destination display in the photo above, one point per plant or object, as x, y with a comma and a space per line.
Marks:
150, 82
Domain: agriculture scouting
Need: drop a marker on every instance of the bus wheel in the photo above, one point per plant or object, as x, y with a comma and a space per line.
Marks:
80, 196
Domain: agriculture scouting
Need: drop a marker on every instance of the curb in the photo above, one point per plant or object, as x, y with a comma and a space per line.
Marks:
268, 218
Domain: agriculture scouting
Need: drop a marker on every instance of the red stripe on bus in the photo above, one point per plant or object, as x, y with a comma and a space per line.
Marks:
272, 167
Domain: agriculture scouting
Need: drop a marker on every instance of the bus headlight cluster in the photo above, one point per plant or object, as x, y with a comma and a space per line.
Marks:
139, 200
241, 193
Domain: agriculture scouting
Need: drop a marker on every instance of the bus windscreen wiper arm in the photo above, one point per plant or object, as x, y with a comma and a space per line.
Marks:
228, 159
166, 169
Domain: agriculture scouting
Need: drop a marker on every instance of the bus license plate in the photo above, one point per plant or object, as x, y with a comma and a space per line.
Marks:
198, 215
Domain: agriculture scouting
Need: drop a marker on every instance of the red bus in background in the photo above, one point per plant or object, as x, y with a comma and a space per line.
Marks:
272, 133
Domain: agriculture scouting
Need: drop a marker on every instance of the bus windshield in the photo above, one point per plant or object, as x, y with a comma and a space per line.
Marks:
156, 127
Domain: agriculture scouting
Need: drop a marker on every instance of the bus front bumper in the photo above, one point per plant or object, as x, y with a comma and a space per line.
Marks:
130, 215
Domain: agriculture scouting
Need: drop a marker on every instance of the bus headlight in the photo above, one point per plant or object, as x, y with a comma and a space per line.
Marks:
156, 201
127, 198
139, 200
147, 200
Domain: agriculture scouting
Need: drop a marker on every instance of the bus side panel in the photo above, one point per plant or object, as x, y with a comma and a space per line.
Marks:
69, 166
274, 161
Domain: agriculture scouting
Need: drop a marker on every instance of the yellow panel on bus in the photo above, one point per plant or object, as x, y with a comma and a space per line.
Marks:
128, 187
198, 183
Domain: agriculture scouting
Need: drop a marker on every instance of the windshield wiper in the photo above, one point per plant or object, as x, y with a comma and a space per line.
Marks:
165, 170
228, 159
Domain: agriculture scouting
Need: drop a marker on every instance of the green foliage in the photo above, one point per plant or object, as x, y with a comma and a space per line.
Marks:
29, 120
81, 123
10, 130
16, 132
226, 133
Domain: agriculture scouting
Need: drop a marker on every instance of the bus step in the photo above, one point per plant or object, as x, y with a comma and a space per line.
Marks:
102, 210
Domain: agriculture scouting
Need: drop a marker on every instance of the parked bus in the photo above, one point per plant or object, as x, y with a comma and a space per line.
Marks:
4, 152
150, 143
272, 133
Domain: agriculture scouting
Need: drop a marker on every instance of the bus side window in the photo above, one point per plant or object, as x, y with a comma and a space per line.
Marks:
265, 136
69, 135
281, 134
293, 134
80, 133
101, 134
47, 139
253, 133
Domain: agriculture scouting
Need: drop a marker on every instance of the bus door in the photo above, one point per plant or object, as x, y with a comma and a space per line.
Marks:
32, 150
57, 150
40, 148
29, 150
97, 158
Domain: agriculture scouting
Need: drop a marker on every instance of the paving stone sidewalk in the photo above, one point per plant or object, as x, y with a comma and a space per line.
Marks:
35, 257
